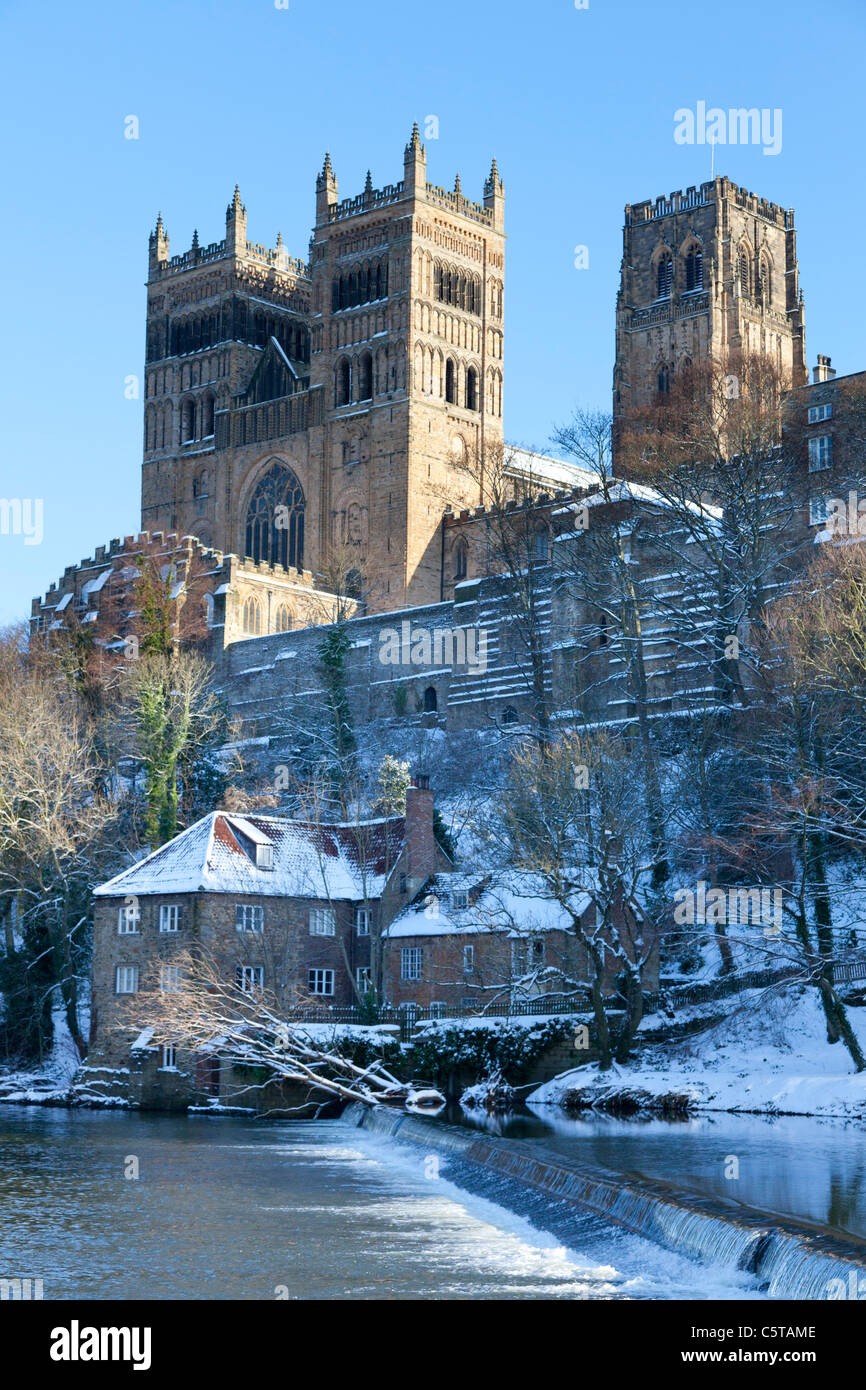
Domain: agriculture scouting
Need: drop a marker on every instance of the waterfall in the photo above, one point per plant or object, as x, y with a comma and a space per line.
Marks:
789, 1261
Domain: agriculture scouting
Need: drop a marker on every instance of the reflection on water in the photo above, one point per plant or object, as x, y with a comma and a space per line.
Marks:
792, 1165
233, 1209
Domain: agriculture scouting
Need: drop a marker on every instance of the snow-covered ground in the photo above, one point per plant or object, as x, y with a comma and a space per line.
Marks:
770, 1055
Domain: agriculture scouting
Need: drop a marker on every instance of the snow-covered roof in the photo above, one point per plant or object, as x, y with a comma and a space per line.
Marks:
543, 468
509, 901
348, 862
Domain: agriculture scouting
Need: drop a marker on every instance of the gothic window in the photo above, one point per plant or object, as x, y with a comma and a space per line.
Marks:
695, 269
461, 555
743, 275
187, 420
275, 519
471, 389
664, 276
450, 383
343, 382
208, 405
431, 702
541, 545
509, 715
354, 584
284, 619
765, 286
200, 487
663, 380
253, 617
365, 377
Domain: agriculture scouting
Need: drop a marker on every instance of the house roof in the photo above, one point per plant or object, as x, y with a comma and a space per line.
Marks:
349, 861
511, 901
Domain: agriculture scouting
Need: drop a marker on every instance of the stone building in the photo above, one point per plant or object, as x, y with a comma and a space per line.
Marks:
486, 941
288, 906
705, 273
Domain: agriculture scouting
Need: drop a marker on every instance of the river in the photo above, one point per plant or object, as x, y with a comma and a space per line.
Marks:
238, 1209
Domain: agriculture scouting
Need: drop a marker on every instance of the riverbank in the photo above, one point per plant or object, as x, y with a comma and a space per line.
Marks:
768, 1056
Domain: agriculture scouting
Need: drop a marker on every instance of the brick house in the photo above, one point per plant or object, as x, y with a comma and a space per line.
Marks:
279, 903
471, 939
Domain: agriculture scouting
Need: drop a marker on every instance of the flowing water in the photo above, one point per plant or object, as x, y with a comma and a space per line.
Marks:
235, 1209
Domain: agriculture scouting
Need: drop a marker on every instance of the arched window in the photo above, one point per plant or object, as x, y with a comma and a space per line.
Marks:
354, 584
461, 553
765, 283
509, 715
207, 606
471, 389
695, 269
275, 519
365, 377
187, 420
200, 486
431, 702
253, 617
283, 619
541, 545
663, 380
665, 275
343, 382
208, 406
743, 274
450, 383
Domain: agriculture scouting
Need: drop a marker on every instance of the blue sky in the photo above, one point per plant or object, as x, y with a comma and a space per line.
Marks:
577, 105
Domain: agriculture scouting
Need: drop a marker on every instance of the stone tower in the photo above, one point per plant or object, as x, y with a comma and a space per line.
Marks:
293, 410
704, 273
407, 348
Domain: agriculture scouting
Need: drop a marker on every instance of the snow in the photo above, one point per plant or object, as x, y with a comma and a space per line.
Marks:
509, 901
347, 862
769, 1056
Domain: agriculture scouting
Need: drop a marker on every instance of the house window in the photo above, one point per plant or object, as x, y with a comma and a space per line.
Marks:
129, 918
126, 980
820, 452
363, 919
323, 921
264, 856
538, 953
460, 898
469, 1002
169, 917
820, 412
817, 511
438, 1010
410, 963
249, 917
431, 700
320, 981
250, 978
519, 958
468, 959
363, 979
169, 1057
169, 979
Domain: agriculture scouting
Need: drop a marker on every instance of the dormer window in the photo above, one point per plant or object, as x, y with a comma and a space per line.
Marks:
460, 899
264, 856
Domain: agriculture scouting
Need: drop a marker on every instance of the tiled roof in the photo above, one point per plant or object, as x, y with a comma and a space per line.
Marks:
218, 855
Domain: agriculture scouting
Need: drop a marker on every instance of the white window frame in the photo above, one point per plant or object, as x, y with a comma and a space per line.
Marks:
411, 963
249, 917
363, 979
468, 958
249, 978
460, 899
323, 921
169, 1057
818, 511
325, 978
169, 978
169, 917
817, 413
820, 452
363, 920
264, 856
126, 979
129, 920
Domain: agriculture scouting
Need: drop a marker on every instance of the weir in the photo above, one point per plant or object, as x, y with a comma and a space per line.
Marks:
788, 1260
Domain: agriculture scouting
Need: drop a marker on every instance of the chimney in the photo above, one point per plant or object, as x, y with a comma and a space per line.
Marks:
420, 840
823, 371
